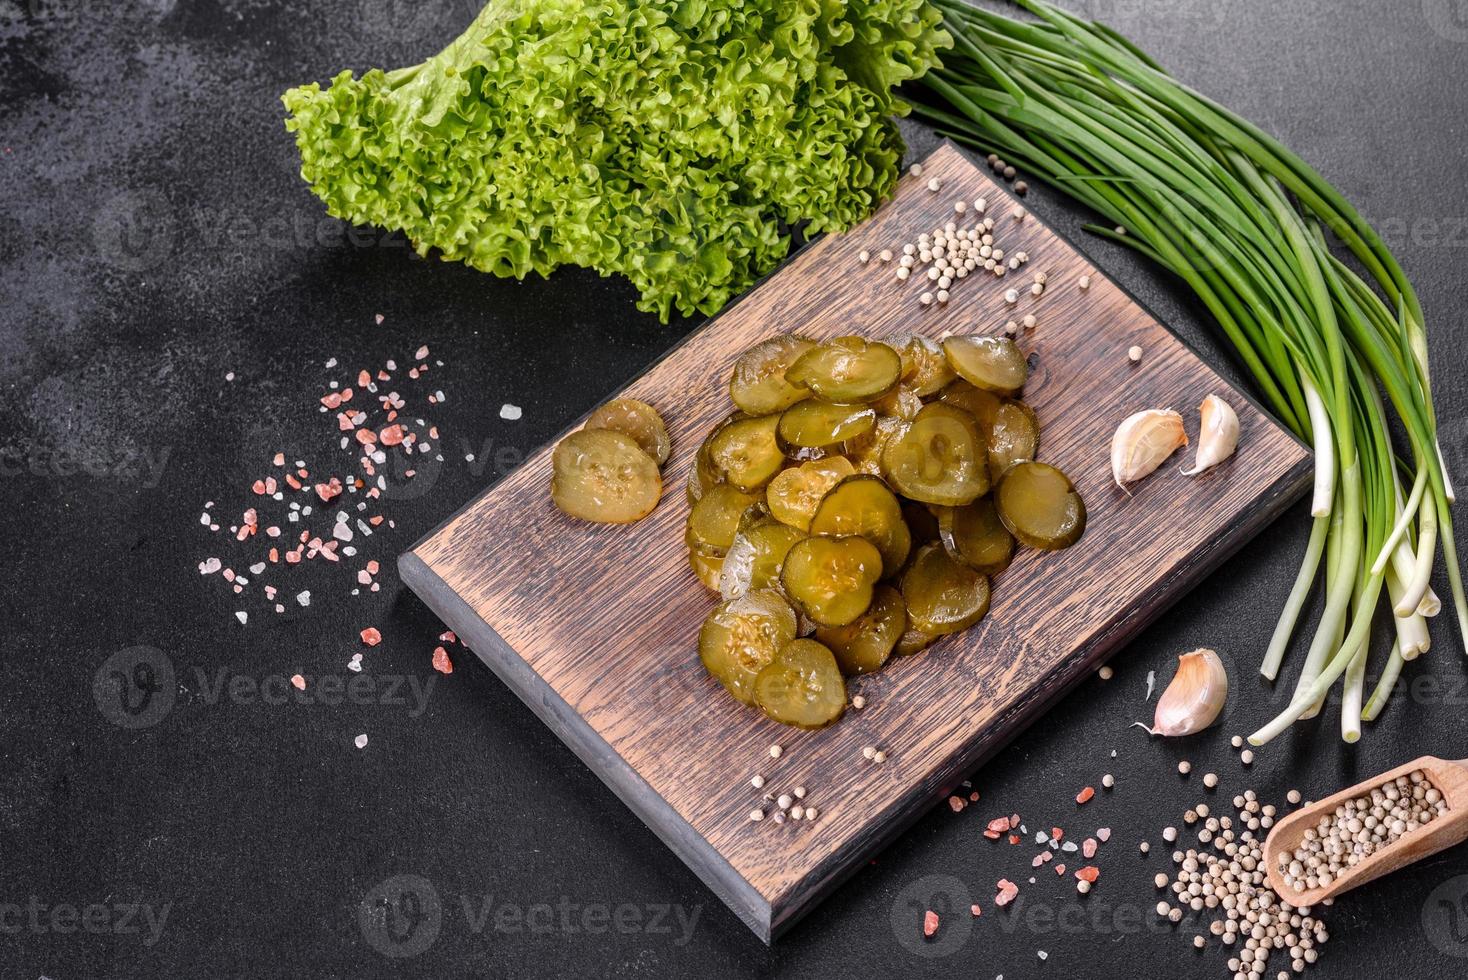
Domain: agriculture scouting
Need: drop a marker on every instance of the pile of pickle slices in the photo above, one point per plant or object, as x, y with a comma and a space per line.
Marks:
856, 506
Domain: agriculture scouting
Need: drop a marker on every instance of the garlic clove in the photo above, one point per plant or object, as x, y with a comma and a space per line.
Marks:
1218, 434
1194, 697
1143, 441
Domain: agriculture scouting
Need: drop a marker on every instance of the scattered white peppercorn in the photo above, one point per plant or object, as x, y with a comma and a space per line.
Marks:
1184, 767
775, 751
1247, 757
758, 782
1084, 282
1106, 673
935, 185
863, 256
858, 702
1210, 780
879, 756
1108, 781
1029, 321
756, 815
1134, 354
916, 169
926, 299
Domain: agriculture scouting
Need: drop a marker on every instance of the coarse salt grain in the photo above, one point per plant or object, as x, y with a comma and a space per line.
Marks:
510, 412
361, 741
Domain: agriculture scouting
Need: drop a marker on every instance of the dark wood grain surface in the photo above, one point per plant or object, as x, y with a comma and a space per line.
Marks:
596, 626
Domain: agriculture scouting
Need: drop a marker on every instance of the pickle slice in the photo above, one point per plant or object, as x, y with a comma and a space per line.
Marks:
925, 368
794, 495
982, 405
831, 579
604, 476
816, 423
745, 454
755, 557
940, 458
975, 536
864, 506
991, 363
714, 519
901, 402
758, 384
943, 596
637, 419
741, 636
701, 475
913, 641
1040, 507
847, 369
864, 645
706, 568
1013, 435
865, 451
802, 686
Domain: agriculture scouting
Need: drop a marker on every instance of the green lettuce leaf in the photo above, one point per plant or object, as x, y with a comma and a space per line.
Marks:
674, 143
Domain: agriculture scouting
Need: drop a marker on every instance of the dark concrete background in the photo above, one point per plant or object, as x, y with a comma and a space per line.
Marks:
154, 236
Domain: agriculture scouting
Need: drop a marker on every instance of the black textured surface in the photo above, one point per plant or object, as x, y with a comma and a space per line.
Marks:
259, 827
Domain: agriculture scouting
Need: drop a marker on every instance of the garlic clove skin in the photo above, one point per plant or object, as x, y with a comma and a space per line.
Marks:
1143, 441
1195, 696
1218, 434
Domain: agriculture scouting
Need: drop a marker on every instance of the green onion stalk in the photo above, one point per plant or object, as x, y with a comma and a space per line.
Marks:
1335, 343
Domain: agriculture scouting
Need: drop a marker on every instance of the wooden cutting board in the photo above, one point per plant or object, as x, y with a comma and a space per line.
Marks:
595, 627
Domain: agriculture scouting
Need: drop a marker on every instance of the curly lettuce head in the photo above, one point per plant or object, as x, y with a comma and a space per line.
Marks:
672, 142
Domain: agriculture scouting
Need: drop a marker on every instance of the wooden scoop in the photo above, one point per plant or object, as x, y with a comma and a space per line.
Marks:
1450, 778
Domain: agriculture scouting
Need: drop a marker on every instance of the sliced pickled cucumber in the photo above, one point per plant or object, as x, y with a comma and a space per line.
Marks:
604, 476
975, 536
745, 453
706, 568
1040, 507
714, 519
914, 641
831, 579
943, 596
847, 369
758, 385
1013, 435
637, 419
940, 458
982, 405
863, 505
864, 645
794, 495
991, 363
756, 555
865, 451
817, 424
802, 686
925, 368
702, 475
901, 402
743, 635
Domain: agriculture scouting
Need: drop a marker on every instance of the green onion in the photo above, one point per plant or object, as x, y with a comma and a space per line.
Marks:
1336, 344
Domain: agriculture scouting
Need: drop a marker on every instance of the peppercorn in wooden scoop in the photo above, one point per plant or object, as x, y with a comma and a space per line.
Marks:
1384, 823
